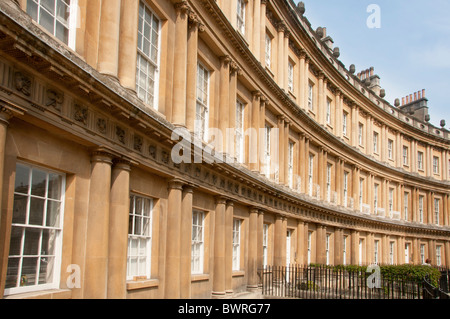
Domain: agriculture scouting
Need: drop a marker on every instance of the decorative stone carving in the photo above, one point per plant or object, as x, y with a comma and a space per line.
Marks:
120, 134
55, 99
138, 143
80, 113
101, 125
152, 151
22, 83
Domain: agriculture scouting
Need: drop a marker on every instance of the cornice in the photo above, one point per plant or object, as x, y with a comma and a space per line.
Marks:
56, 63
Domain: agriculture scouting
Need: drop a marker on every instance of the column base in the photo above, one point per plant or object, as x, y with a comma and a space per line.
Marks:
218, 295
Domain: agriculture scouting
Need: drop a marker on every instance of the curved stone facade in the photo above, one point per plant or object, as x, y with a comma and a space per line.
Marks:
179, 146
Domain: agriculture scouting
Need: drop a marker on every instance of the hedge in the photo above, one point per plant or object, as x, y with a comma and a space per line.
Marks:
414, 273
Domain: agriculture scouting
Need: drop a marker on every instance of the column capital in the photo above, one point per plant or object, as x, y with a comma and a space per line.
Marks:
188, 189
182, 7
221, 200
256, 94
176, 184
254, 210
281, 26
102, 155
8, 111
122, 163
225, 60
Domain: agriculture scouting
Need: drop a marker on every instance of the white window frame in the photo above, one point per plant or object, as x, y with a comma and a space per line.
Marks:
291, 77
375, 198
309, 245
376, 247
202, 103
391, 200
327, 248
420, 160
311, 96
360, 134
236, 244
54, 280
239, 130
344, 248
310, 174
140, 238
391, 252
375, 142
390, 145
198, 242
407, 253
291, 165
267, 149
437, 205
361, 193
344, 123
405, 155
406, 205
265, 244
328, 113
141, 55
329, 166
422, 254
71, 25
240, 14
438, 255
346, 174
421, 203
268, 50
435, 165
360, 249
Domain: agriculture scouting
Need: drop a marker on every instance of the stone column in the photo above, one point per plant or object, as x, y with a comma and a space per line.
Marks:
321, 103
260, 235
282, 146
445, 213
231, 138
354, 247
5, 116
320, 245
447, 254
306, 84
286, 59
229, 247
278, 238
257, 29
91, 37
252, 249
108, 50
224, 100
283, 240
281, 55
180, 64
262, 36
129, 11
218, 287
286, 152
191, 72
173, 242
302, 82
118, 229
97, 241
254, 133
338, 117
262, 125
186, 242
338, 246
301, 247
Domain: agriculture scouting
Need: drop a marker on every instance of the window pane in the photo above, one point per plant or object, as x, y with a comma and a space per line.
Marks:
54, 186
20, 209
36, 211
32, 9
49, 5
48, 247
62, 33
16, 241
62, 12
38, 183
32, 242
12, 272
22, 179
46, 270
47, 21
29, 269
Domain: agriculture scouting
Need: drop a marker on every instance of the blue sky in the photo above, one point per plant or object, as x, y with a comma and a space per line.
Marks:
410, 51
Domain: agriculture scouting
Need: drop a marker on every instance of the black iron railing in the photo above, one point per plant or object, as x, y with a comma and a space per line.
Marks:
322, 282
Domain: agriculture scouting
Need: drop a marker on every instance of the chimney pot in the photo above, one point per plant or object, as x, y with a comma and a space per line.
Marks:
419, 95
403, 101
423, 93
410, 98
371, 71
415, 96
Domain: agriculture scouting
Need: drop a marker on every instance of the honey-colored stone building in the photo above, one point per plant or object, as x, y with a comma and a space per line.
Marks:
99, 99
